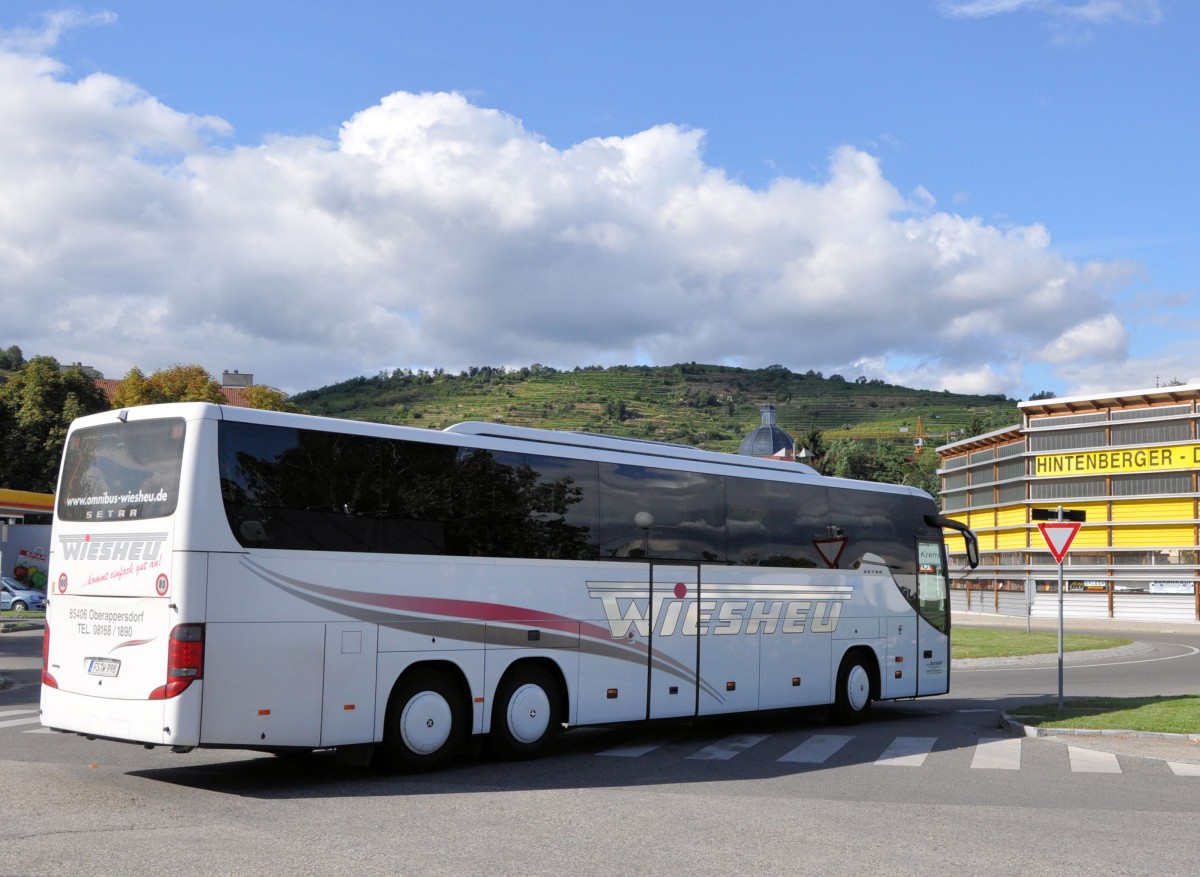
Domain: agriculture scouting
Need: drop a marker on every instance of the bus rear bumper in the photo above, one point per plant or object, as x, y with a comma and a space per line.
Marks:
174, 722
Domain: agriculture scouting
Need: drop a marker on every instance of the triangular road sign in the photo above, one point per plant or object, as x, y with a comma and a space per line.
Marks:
1058, 536
831, 549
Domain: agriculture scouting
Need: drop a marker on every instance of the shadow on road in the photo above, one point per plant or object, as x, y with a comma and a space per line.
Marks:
583, 758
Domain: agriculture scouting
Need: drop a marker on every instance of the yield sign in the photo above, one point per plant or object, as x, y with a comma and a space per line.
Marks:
1058, 536
831, 549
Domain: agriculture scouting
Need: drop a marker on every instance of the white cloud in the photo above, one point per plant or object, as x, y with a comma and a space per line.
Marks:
1102, 339
436, 233
55, 24
1089, 11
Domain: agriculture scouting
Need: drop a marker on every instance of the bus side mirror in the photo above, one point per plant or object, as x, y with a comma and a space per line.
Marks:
967, 533
972, 549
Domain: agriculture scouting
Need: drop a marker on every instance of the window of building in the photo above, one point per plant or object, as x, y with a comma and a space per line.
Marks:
1067, 488
1151, 485
1067, 440
1151, 433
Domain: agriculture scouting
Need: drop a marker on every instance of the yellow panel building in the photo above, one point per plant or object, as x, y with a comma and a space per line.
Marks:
1129, 461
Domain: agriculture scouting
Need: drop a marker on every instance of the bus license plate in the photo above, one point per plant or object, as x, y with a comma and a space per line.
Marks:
103, 666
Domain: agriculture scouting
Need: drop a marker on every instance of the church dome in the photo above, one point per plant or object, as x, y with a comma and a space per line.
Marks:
768, 440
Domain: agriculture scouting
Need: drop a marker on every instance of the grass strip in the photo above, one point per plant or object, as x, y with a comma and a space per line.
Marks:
1169, 715
974, 642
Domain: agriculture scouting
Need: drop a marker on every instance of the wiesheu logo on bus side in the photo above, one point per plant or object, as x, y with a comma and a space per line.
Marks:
724, 610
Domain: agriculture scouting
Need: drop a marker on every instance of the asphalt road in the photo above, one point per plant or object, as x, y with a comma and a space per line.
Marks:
927, 787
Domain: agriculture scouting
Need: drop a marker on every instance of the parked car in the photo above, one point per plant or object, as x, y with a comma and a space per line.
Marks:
19, 598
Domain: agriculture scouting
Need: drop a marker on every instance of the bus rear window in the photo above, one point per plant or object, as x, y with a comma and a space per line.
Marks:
122, 471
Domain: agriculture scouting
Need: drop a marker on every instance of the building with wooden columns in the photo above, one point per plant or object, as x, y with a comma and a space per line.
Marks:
1128, 461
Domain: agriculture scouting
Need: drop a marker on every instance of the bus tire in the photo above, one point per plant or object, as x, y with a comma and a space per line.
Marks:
426, 723
853, 695
527, 713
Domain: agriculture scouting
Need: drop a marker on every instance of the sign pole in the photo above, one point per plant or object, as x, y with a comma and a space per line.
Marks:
1060, 624
1058, 537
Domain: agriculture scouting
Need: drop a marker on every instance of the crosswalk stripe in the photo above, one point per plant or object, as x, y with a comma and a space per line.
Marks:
1092, 761
635, 750
8, 714
723, 750
997, 753
907, 752
12, 723
1184, 769
40, 731
817, 749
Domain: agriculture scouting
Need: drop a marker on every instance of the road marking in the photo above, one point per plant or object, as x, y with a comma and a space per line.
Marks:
723, 750
12, 723
10, 713
907, 752
1092, 761
997, 753
817, 749
636, 750
991, 753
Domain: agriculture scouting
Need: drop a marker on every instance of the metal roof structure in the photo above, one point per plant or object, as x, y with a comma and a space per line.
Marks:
768, 440
18, 503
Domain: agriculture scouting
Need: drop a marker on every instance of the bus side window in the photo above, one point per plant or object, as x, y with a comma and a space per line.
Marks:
876, 522
300, 489
686, 514
416, 486
774, 524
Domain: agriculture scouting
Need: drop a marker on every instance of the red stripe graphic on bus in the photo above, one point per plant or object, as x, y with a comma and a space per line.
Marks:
595, 639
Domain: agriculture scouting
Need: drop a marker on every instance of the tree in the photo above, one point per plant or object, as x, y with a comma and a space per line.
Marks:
37, 405
849, 458
923, 473
813, 441
11, 359
180, 383
130, 390
268, 399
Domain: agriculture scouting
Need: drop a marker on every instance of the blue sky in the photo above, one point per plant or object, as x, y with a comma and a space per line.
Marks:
987, 195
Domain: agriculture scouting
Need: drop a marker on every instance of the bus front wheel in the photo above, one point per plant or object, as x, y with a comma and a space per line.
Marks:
853, 697
527, 714
426, 723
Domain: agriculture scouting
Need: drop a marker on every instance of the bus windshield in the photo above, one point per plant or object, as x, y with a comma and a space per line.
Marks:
122, 471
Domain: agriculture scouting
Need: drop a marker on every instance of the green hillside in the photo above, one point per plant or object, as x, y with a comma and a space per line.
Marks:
703, 405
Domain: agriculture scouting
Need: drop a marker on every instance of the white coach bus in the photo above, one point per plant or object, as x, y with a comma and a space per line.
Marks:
225, 577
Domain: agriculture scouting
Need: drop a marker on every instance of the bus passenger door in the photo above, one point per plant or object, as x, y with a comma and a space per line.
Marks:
933, 604
674, 620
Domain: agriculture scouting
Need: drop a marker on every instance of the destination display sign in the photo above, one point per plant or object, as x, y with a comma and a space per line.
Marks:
1117, 460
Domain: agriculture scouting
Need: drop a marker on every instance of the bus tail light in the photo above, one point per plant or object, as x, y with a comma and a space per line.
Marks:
47, 679
185, 661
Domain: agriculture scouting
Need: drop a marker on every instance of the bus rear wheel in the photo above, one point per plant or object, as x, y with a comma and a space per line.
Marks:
426, 723
853, 697
527, 714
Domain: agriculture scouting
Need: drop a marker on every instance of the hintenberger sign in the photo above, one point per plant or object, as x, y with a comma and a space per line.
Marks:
1117, 460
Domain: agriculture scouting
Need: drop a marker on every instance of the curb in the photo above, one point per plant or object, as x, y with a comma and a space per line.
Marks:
1156, 745
19, 626
1035, 731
